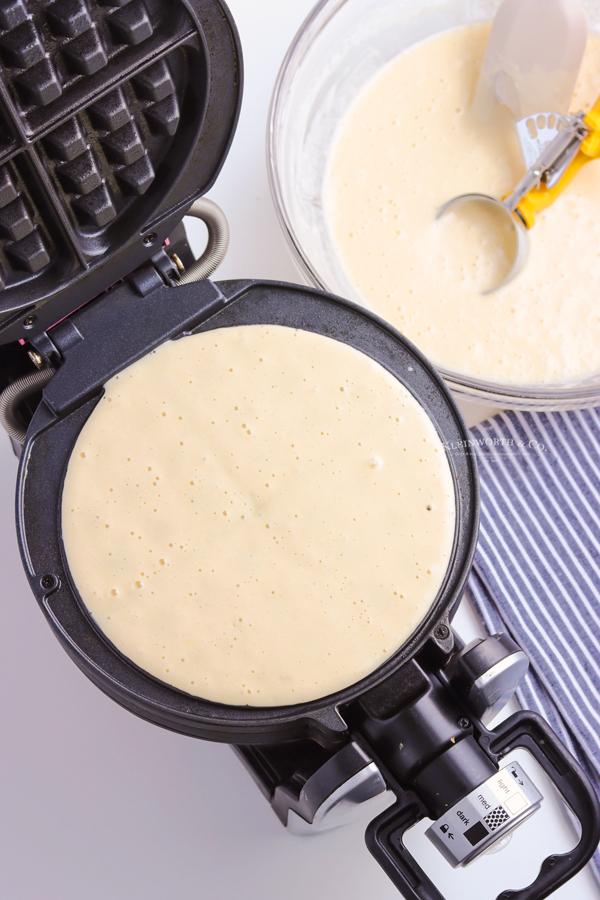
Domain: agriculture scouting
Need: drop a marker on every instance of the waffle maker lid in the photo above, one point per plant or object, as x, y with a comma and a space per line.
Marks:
114, 116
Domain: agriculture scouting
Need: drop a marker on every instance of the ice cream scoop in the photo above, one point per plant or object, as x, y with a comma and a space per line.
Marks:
579, 142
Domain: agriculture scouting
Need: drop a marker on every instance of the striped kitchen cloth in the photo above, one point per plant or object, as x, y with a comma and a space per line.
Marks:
537, 567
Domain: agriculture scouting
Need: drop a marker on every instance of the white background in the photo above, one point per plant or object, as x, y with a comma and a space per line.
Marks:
96, 804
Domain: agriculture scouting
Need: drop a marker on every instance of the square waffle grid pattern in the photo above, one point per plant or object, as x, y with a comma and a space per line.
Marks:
74, 156
49, 49
104, 154
496, 818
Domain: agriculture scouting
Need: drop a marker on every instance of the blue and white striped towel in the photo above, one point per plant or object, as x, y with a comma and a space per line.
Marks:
537, 568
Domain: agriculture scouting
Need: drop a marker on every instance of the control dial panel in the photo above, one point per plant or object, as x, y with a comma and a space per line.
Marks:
484, 816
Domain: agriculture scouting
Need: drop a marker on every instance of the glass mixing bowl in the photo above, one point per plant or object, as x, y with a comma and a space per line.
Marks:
340, 46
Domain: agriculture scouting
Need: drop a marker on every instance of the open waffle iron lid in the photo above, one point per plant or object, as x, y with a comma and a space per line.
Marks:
114, 116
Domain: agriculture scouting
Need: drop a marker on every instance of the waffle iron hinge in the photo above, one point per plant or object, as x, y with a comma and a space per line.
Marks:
49, 349
45, 352
118, 328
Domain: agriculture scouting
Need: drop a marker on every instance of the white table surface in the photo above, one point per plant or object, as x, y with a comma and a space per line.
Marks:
96, 804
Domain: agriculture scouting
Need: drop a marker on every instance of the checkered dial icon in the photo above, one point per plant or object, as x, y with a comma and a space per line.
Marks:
496, 818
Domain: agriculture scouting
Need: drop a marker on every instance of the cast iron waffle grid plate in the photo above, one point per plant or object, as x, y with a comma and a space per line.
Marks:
103, 106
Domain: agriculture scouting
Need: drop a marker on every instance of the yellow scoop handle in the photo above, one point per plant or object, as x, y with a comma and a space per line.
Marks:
541, 198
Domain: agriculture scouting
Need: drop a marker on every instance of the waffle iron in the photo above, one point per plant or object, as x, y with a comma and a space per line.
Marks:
115, 116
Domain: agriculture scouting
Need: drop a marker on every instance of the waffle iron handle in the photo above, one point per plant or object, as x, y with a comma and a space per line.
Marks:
525, 730
384, 837
529, 731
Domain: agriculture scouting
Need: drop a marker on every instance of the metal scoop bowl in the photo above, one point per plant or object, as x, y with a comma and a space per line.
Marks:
504, 219
564, 156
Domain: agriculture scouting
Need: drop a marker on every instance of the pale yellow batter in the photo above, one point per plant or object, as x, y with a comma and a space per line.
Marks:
258, 515
409, 144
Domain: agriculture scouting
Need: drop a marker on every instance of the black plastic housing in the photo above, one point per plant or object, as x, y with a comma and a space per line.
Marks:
105, 337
